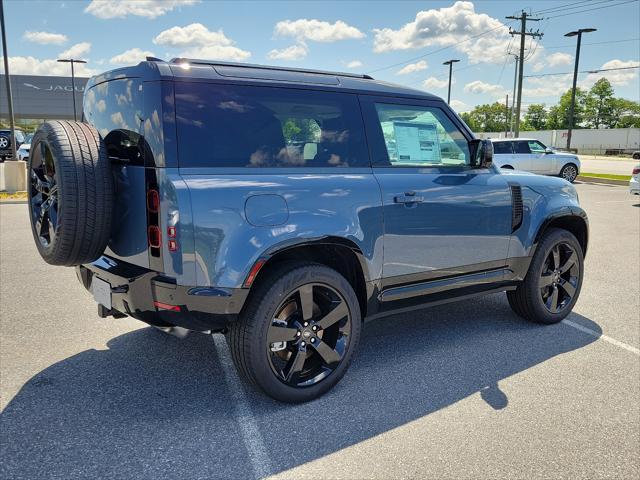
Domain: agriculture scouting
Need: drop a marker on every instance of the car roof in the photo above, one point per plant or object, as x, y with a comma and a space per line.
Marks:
186, 69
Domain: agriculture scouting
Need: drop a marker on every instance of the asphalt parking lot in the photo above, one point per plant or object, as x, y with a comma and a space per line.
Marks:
466, 390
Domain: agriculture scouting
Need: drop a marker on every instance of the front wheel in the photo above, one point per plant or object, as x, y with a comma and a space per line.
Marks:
552, 284
569, 172
298, 334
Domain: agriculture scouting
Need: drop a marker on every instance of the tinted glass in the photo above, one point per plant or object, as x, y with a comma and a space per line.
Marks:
502, 147
536, 147
421, 136
244, 126
115, 109
522, 147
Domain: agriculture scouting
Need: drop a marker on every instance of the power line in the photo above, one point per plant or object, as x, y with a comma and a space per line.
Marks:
582, 71
561, 8
594, 43
592, 9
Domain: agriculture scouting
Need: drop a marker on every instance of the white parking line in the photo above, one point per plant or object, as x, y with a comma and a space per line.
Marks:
602, 336
249, 430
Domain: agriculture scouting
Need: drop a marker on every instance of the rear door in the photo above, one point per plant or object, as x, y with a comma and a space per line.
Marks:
503, 153
442, 216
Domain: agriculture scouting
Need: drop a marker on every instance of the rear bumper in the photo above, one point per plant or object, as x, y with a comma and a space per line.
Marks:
137, 291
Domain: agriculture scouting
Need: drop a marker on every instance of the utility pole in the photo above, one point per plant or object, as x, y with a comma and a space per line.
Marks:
575, 79
7, 79
450, 63
523, 34
73, 81
513, 97
506, 117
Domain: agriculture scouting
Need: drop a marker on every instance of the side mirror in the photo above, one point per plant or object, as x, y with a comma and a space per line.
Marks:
548, 150
481, 153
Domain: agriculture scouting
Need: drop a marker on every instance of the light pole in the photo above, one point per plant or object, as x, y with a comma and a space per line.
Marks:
7, 79
73, 81
450, 63
575, 78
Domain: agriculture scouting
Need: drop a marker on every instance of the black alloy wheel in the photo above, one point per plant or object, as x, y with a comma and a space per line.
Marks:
44, 194
309, 335
560, 276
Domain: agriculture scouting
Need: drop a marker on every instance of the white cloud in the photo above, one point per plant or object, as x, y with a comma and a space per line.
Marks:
354, 64
551, 86
538, 66
459, 106
559, 58
412, 67
131, 56
76, 51
294, 52
200, 42
45, 38
107, 9
449, 26
480, 87
48, 67
617, 78
433, 82
316, 30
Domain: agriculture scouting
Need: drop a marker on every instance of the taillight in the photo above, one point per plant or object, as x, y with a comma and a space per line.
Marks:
155, 236
172, 244
636, 171
153, 201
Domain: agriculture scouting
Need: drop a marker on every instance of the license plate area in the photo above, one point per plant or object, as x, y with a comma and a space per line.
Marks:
101, 292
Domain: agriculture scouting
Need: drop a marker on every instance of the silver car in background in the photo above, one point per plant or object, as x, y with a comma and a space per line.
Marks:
533, 156
634, 183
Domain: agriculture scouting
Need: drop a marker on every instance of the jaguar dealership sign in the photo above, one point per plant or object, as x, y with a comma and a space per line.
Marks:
42, 97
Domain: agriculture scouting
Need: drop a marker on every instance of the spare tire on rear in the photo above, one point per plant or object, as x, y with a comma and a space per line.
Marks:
70, 193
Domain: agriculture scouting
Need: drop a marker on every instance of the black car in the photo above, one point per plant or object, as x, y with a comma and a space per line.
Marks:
5, 143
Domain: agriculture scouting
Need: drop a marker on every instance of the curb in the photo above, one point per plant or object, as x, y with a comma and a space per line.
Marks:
605, 181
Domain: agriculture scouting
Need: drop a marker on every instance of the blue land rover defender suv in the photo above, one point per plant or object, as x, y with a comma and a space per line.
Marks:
284, 207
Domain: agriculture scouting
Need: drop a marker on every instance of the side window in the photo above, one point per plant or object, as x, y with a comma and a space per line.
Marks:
522, 147
246, 126
502, 147
536, 147
114, 108
421, 136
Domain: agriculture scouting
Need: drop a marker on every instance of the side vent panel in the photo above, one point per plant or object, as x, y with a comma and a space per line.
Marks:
516, 206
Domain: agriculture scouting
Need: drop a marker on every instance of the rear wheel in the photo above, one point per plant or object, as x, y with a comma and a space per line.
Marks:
569, 172
298, 333
552, 284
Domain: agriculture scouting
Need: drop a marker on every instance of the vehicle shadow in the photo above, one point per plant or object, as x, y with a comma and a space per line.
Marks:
152, 406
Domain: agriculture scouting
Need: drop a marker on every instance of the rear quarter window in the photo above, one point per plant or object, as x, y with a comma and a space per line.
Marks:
502, 147
114, 108
248, 126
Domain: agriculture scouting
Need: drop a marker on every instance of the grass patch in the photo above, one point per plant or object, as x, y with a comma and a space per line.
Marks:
609, 176
13, 196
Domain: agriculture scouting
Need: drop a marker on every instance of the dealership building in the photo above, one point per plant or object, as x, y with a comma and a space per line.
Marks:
39, 98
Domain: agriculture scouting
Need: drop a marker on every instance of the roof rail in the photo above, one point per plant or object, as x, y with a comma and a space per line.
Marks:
266, 67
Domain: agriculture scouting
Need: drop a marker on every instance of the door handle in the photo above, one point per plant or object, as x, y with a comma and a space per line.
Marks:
408, 197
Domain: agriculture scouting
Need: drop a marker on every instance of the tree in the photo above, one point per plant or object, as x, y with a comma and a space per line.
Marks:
558, 117
536, 117
624, 114
599, 104
487, 118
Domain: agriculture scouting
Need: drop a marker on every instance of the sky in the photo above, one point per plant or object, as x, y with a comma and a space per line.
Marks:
403, 42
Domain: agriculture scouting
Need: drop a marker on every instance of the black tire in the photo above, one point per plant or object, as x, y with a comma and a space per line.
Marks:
636, 155
569, 172
70, 193
507, 167
252, 352
530, 300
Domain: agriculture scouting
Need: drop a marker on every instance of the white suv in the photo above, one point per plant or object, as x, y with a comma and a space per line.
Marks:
533, 156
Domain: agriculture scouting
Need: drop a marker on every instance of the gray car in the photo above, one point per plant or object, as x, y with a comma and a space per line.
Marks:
284, 207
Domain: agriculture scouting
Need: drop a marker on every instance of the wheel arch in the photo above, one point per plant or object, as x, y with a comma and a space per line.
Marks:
574, 222
337, 253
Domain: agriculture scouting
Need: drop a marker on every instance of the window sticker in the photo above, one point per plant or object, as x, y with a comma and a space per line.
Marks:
417, 143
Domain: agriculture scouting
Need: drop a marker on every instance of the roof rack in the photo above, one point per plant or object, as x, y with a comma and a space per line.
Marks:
266, 67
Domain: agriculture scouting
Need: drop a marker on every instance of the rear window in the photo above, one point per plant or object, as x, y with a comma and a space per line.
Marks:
502, 147
522, 147
245, 126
